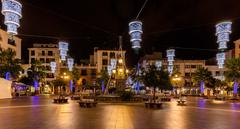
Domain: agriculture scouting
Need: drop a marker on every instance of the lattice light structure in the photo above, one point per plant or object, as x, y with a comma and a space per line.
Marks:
63, 48
112, 66
170, 57
135, 31
53, 66
12, 10
220, 59
158, 64
223, 30
70, 62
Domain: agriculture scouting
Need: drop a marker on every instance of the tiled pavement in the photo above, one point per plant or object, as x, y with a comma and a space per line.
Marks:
40, 113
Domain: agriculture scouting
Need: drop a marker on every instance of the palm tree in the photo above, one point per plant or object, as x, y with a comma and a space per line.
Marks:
155, 78
202, 76
9, 64
233, 72
102, 79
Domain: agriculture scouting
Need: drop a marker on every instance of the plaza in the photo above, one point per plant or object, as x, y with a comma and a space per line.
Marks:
39, 112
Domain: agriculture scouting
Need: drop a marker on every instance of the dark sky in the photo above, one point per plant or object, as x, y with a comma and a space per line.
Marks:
88, 23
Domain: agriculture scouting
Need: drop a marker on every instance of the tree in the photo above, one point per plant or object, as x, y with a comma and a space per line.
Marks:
59, 82
36, 72
233, 72
203, 77
102, 78
9, 64
153, 77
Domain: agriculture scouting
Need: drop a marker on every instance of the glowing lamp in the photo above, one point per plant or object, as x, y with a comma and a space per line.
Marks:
63, 48
53, 66
135, 32
12, 10
223, 31
70, 62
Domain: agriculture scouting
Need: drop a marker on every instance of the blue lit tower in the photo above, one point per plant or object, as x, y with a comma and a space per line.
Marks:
12, 10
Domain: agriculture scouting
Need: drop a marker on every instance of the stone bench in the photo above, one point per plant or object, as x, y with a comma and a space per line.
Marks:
152, 105
60, 100
87, 103
181, 102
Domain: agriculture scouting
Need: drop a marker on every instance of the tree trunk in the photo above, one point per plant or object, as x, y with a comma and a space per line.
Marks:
154, 94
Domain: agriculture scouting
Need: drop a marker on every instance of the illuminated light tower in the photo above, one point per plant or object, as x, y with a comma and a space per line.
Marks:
220, 59
170, 56
53, 66
12, 10
223, 30
63, 47
158, 64
135, 31
70, 62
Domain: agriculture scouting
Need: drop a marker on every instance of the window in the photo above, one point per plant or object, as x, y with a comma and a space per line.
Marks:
187, 74
199, 66
104, 54
217, 73
42, 60
47, 60
32, 59
104, 62
187, 66
50, 53
51, 59
50, 75
93, 72
112, 55
12, 42
193, 66
32, 53
48, 68
43, 53
83, 72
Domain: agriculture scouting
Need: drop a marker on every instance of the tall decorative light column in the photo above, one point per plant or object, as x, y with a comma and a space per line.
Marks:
170, 56
158, 64
63, 48
223, 31
12, 10
53, 66
135, 31
70, 62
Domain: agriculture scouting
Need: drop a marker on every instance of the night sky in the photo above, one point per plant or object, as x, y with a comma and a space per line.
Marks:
88, 23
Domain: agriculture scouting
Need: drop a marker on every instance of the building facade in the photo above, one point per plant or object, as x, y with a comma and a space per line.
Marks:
7, 43
45, 53
102, 58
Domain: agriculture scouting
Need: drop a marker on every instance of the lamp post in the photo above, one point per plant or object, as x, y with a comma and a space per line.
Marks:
177, 79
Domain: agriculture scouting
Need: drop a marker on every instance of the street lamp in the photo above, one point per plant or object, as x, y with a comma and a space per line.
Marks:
177, 79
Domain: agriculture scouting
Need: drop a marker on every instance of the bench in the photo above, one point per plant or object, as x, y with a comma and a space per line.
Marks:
60, 100
181, 102
152, 105
87, 103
